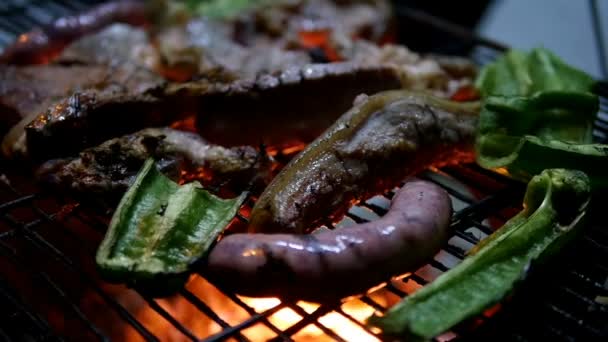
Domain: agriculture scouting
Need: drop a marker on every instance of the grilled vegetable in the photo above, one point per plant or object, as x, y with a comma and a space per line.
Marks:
371, 148
537, 113
554, 210
160, 229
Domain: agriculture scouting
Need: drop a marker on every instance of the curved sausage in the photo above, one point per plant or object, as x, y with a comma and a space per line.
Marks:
333, 264
43, 44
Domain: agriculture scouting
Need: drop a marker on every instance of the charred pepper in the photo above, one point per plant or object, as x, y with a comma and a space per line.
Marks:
160, 229
537, 113
554, 210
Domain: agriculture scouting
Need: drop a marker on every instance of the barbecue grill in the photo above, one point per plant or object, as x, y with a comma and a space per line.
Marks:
49, 289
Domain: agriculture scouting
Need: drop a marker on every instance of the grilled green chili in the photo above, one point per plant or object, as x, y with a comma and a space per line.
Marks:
537, 114
160, 228
554, 208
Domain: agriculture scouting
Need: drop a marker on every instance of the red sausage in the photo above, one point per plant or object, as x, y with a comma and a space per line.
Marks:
333, 264
43, 44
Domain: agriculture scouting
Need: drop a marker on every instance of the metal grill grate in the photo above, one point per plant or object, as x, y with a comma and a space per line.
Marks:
49, 287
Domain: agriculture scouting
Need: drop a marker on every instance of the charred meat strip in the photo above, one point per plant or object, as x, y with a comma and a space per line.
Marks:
27, 91
128, 102
43, 44
244, 110
330, 265
371, 148
111, 167
290, 107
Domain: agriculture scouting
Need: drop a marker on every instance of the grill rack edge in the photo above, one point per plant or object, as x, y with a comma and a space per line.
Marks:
473, 215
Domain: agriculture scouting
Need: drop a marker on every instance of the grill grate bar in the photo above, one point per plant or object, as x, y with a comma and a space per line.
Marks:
10, 253
41, 329
260, 318
41, 244
463, 34
311, 318
356, 321
255, 318
167, 316
8, 205
201, 306
463, 219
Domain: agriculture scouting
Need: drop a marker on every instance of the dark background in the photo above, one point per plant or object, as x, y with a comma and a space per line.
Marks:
564, 26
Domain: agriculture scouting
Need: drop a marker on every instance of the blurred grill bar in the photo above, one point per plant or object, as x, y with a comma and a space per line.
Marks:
42, 242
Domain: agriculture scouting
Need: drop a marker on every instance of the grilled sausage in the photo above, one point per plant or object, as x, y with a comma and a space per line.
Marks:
42, 44
333, 264
369, 149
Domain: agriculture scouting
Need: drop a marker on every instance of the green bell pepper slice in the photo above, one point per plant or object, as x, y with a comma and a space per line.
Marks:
160, 229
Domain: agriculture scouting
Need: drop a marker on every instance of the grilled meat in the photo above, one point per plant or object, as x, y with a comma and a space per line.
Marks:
290, 107
254, 109
369, 149
111, 167
205, 44
127, 102
440, 74
28, 91
114, 45
330, 265
43, 44
267, 38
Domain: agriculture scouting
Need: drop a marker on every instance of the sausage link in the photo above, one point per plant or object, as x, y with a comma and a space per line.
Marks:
43, 44
333, 264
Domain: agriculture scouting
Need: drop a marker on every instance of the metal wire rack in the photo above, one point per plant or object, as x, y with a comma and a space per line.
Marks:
49, 289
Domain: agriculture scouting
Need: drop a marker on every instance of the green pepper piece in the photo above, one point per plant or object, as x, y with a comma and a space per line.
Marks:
558, 115
159, 229
554, 209
530, 155
517, 73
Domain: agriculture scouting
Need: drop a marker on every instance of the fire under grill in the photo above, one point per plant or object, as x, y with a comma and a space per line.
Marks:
49, 289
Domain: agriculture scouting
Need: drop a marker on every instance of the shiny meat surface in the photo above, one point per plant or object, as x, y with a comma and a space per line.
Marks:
290, 107
296, 104
127, 102
28, 91
330, 265
370, 149
111, 167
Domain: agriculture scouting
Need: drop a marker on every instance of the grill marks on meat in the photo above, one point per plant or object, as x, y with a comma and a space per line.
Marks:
113, 166
369, 149
290, 107
298, 103
330, 265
